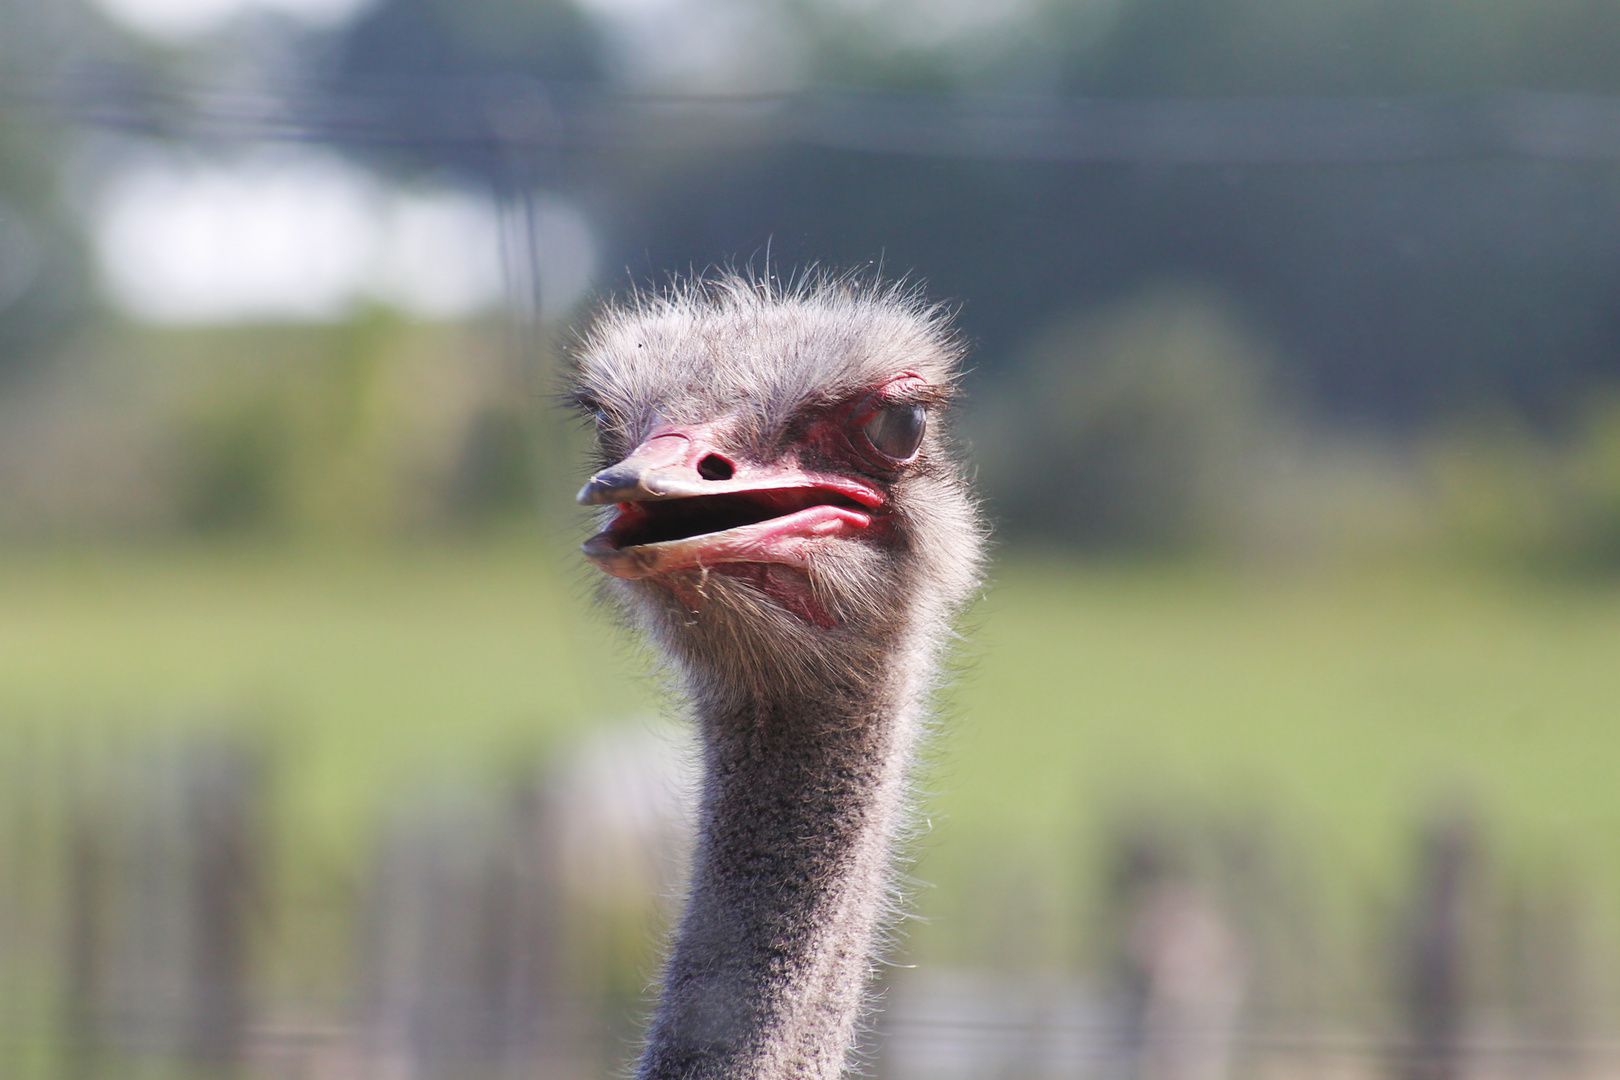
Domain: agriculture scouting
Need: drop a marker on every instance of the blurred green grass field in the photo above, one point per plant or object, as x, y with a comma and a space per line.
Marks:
1339, 702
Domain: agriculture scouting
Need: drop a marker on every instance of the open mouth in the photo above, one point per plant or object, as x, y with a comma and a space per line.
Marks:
767, 525
660, 522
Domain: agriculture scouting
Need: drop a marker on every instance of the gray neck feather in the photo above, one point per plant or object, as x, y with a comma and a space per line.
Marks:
791, 878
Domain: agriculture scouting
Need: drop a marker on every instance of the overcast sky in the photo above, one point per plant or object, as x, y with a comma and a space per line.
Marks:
301, 234
184, 20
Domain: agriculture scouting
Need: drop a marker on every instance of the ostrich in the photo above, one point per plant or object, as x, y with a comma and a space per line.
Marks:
782, 516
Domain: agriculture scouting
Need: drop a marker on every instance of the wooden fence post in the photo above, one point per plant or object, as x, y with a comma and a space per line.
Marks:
1434, 962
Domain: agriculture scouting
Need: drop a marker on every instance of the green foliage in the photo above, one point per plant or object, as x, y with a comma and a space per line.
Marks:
233, 466
1212, 47
1139, 428
496, 477
548, 39
1280, 47
1594, 475
41, 256
1509, 495
370, 428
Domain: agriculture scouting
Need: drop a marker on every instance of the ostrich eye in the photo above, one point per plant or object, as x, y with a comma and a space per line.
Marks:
897, 430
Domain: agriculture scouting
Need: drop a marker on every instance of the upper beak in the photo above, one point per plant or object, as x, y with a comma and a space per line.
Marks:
663, 467
666, 467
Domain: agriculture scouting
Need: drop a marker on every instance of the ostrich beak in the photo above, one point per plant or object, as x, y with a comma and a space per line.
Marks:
663, 467
666, 467
672, 515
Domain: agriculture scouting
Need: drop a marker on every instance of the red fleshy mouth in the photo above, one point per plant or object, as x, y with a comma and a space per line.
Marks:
767, 525
640, 523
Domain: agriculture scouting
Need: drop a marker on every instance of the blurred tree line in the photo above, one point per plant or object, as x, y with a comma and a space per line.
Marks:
42, 275
1159, 350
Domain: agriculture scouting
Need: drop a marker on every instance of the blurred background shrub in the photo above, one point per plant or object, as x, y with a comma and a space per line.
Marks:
1140, 428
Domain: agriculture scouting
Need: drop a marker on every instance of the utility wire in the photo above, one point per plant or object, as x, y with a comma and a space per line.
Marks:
513, 112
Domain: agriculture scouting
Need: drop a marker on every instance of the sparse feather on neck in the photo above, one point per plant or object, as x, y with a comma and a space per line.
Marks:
809, 707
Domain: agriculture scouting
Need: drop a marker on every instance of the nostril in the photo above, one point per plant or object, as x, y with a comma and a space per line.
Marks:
715, 467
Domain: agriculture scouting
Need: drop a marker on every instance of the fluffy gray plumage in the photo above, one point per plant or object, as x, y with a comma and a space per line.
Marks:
809, 681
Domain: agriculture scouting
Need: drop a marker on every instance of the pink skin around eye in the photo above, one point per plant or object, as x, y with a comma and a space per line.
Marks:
841, 437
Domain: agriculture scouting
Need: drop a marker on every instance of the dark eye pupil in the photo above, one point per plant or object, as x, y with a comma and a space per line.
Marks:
897, 431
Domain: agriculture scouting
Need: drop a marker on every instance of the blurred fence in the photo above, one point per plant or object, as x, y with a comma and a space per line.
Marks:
145, 932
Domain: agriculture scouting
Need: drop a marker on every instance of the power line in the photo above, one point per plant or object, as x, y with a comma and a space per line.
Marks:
514, 112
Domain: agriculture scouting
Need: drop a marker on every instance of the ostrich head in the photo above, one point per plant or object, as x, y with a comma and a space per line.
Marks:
781, 509
781, 512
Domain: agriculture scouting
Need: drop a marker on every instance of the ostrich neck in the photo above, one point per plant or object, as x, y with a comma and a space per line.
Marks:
790, 881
